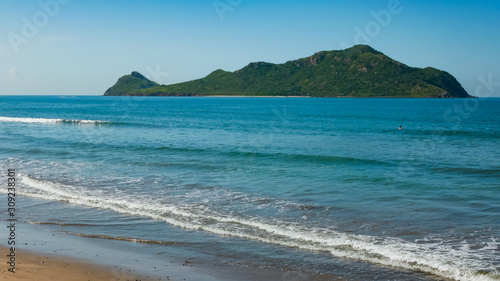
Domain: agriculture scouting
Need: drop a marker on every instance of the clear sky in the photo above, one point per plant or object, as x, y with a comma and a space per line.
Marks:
81, 47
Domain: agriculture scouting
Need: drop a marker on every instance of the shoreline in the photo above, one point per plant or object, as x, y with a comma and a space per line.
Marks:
228, 96
38, 266
254, 96
44, 267
42, 255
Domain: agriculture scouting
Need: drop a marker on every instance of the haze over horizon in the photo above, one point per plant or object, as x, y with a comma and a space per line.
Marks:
64, 47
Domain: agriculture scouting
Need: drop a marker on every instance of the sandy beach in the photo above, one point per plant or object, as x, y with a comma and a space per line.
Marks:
45, 267
41, 267
44, 255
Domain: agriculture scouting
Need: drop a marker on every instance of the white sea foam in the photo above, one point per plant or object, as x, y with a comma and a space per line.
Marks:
436, 258
50, 121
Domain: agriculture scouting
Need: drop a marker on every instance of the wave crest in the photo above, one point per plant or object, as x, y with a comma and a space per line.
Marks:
51, 121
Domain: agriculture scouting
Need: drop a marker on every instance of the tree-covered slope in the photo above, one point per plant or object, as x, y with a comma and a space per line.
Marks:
359, 71
128, 83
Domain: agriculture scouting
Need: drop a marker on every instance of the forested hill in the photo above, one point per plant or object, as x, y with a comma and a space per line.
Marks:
359, 71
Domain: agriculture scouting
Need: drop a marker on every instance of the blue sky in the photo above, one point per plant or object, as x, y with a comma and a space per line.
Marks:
72, 47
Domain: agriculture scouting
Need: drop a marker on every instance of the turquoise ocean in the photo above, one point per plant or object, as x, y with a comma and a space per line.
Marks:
309, 185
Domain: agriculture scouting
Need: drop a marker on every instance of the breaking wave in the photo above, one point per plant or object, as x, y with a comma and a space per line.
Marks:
51, 121
438, 258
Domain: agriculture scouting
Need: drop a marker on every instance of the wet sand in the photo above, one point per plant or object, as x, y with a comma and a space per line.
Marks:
44, 255
42, 267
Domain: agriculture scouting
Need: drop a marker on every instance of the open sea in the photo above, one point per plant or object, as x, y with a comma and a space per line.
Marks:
307, 186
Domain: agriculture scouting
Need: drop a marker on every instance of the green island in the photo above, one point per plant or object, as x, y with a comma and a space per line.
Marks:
359, 71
